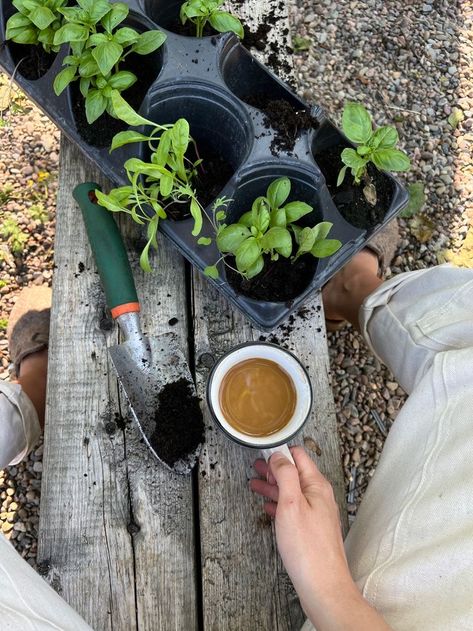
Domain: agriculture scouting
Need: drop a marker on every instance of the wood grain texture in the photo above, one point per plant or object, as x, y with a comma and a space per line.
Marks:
244, 583
116, 530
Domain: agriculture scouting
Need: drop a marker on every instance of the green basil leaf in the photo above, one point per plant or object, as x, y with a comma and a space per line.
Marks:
20, 6
356, 123
125, 36
23, 35
391, 160
17, 21
125, 112
278, 192
196, 213
278, 217
384, 137
84, 84
324, 248
321, 230
73, 14
296, 210
256, 268
28, 5
230, 238
204, 241
224, 22
341, 175
275, 239
42, 17
247, 253
221, 215
98, 10
71, 33
180, 136
363, 151
262, 219
70, 60
126, 138
117, 14
211, 271
46, 36
107, 55
297, 230
121, 194
122, 80
97, 38
148, 42
108, 202
352, 159
161, 154
63, 79
95, 104
246, 219
306, 241
88, 67
166, 184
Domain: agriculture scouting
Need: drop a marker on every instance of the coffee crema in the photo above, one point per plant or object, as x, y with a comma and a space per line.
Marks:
257, 397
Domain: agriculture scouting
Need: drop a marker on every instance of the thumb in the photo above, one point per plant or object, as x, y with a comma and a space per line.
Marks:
286, 476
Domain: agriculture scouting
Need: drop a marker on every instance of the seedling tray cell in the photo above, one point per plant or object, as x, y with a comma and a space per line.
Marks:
218, 86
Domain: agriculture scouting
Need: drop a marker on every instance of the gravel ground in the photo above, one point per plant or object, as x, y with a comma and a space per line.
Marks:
411, 64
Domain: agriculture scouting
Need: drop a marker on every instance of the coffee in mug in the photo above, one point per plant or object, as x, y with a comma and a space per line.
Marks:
257, 397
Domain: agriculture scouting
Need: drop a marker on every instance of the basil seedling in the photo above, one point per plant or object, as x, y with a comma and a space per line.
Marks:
165, 180
270, 228
199, 12
98, 48
36, 23
374, 145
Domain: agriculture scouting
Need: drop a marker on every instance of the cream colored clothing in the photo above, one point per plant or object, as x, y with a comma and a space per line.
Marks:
410, 548
19, 425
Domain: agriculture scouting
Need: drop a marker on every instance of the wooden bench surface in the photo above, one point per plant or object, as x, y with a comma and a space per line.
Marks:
129, 545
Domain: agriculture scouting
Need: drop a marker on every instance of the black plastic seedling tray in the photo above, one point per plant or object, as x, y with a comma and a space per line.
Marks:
207, 81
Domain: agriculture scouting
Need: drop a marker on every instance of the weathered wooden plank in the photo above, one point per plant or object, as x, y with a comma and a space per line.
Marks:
244, 584
116, 530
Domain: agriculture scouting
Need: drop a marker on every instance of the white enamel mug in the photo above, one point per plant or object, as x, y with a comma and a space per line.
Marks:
288, 362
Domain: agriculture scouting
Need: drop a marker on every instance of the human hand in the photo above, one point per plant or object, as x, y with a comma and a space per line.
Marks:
307, 523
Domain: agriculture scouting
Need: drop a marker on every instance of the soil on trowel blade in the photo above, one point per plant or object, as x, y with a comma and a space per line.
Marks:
179, 423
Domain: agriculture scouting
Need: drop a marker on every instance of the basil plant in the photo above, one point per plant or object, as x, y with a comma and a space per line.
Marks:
98, 49
270, 229
36, 22
199, 12
374, 145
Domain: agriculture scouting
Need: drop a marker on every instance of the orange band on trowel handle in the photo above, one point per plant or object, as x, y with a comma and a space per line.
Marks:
129, 307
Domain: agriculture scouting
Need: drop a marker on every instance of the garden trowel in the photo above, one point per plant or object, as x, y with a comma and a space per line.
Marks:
147, 366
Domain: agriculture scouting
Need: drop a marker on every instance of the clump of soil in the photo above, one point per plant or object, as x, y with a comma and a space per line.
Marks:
349, 197
35, 61
213, 173
179, 423
256, 39
284, 118
279, 281
101, 131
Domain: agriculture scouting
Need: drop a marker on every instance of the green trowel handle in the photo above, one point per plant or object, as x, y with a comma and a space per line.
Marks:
108, 250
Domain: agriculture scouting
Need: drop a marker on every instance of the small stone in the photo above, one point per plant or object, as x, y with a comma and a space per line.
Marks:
6, 527
38, 467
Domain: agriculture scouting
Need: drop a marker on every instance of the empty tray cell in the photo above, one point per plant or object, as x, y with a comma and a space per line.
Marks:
31, 60
282, 280
327, 146
220, 127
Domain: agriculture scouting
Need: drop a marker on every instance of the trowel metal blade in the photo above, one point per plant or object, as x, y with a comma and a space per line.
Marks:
144, 367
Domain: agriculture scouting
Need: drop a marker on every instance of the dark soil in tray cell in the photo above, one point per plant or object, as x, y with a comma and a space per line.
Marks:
279, 281
179, 424
188, 29
101, 132
348, 197
214, 173
33, 61
287, 121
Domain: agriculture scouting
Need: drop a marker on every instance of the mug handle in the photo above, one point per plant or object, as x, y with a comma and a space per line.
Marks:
284, 449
